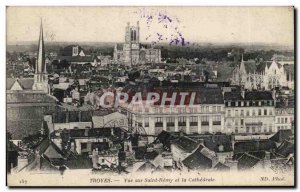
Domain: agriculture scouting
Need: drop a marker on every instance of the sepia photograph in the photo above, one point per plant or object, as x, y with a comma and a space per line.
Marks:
140, 96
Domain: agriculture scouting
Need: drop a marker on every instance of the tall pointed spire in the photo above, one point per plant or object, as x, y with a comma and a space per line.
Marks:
40, 76
41, 68
242, 66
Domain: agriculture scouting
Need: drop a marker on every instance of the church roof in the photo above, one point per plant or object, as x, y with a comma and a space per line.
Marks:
25, 83
68, 50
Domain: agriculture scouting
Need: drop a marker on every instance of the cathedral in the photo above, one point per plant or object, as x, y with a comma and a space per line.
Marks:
133, 53
265, 76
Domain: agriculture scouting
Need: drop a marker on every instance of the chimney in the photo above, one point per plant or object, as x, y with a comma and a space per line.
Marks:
22, 162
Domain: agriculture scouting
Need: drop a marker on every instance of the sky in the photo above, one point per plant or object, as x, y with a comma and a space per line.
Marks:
182, 25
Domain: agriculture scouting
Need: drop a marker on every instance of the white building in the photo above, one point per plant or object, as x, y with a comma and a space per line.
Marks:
249, 112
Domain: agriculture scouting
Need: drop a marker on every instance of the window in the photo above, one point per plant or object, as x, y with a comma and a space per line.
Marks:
270, 128
207, 108
242, 112
229, 104
146, 119
83, 146
156, 110
193, 121
236, 113
247, 112
158, 122
229, 113
285, 120
236, 103
217, 120
242, 121
181, 121
248, 103
204, 120
265, 112
270, 112
259, 112
236, 122
242, 103
219, 108
170, 121
259, 103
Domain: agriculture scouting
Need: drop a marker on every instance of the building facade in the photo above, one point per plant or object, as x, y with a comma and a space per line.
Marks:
133, 52
249, 112
205, 115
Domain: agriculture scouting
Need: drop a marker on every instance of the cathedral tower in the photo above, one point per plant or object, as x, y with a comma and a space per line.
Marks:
40, 75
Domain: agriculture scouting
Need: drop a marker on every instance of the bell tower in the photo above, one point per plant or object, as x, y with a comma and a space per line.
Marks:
40, 75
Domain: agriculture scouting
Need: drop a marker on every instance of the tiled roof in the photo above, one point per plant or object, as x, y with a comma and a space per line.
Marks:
213, 143
254, 145
204, 95
281, 135
247, 161
147, 166
285, 149
186, 144
26, 83
9, 83
197, 160
79, 162
166, 138
221, 167
249, 95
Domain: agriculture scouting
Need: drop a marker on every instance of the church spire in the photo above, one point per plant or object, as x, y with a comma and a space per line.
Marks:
242, 66
40, 76
41, 67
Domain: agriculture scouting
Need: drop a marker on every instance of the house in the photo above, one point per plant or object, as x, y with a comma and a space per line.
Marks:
249, 112
200, 159
182, 147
